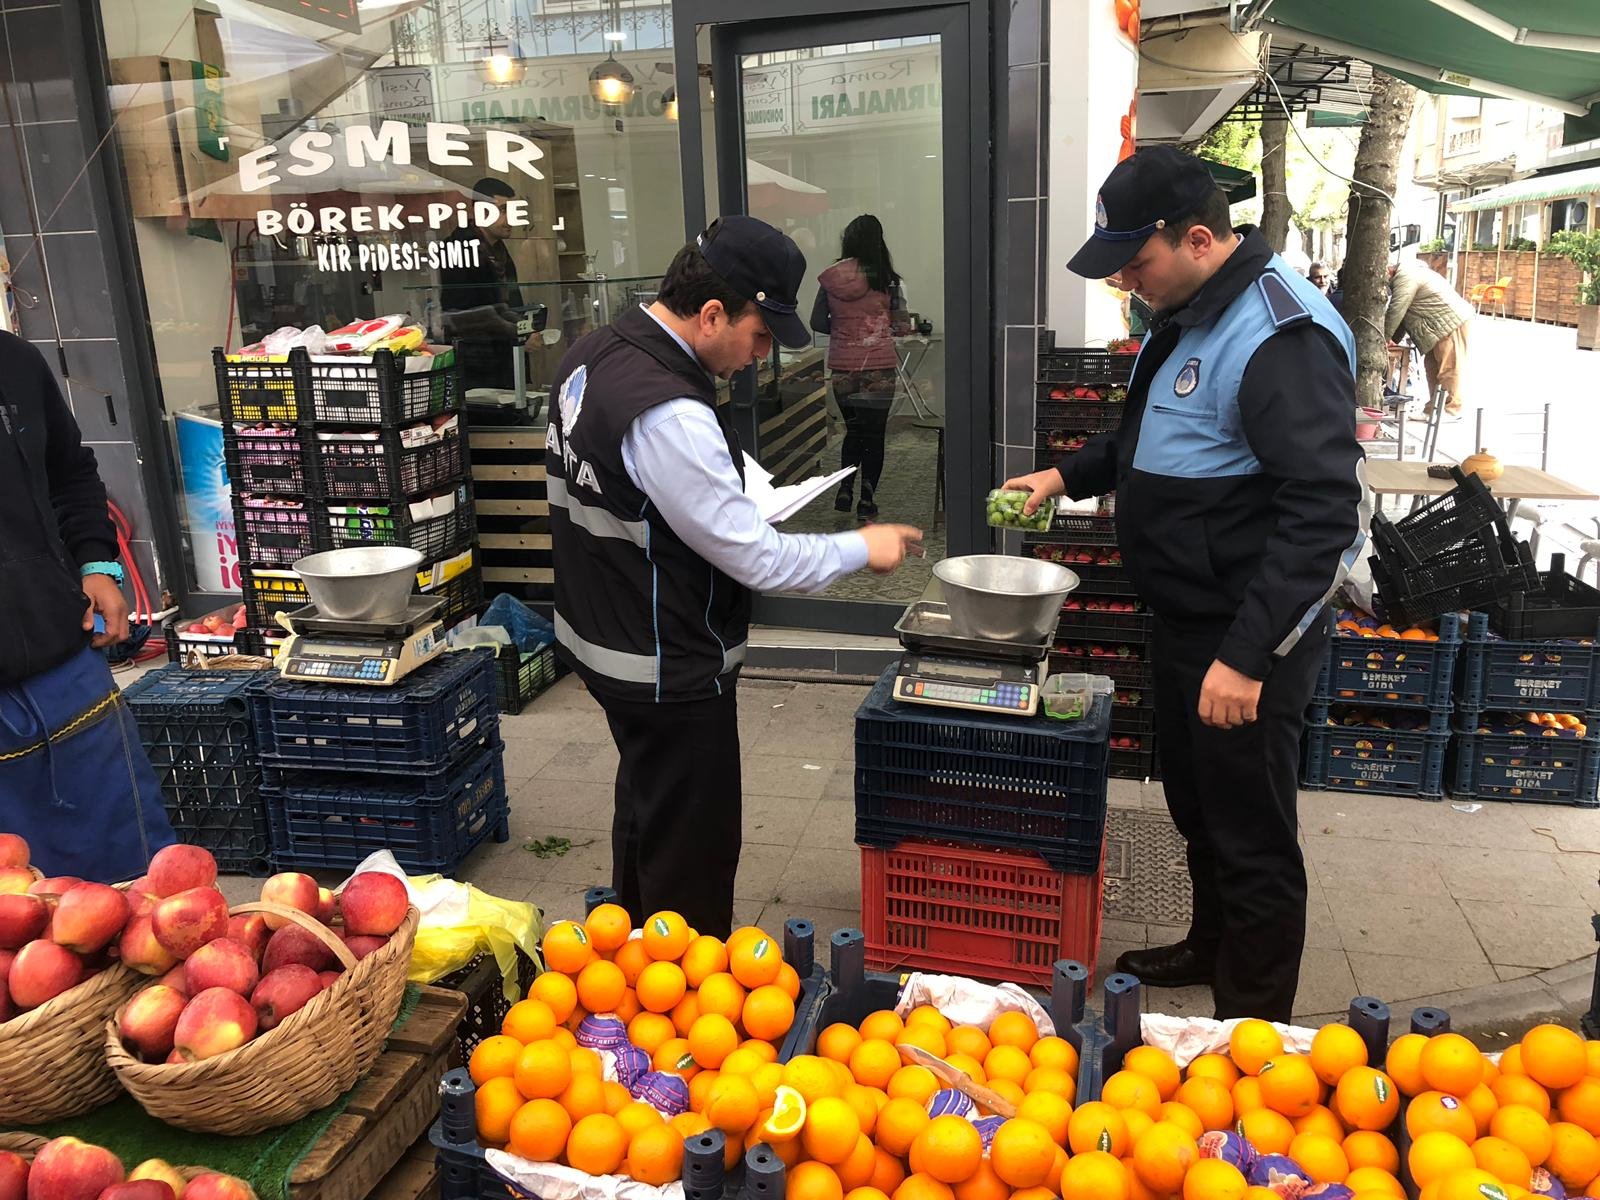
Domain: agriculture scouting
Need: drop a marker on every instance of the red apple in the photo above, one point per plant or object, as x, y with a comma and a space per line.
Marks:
149, 1020
165, 1172
291, 944
141, 899
52, 889
69, 1169
214, 1022
283, 992
179, 868
251, 929
329, 978
362, 945
327, 906
13, 1176
140, 951
374, 903
41, 972
15, 880
22, 919
185, 922
292, 890
223, 963
7, 1008
175, 978
176, 1058
88, 917
139, 1189
13, 850
216, 1187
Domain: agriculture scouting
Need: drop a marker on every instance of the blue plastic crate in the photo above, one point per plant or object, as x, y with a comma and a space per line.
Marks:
428, 822
1499, 674
196, 729
1526, 768
1369, 758
440, 714
1011, 783
1391, 671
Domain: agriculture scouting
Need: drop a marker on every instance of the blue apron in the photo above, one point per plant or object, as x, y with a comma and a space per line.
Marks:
74, 778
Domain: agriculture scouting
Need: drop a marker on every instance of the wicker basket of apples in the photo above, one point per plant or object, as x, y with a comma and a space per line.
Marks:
265, 1012
67, 1166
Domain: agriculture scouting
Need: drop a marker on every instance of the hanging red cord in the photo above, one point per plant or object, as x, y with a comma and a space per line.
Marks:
141, 595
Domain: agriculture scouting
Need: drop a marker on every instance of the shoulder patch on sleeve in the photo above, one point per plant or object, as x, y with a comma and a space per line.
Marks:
1283, 305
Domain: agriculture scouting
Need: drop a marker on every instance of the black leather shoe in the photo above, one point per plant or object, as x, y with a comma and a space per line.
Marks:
1167, 966
841, 502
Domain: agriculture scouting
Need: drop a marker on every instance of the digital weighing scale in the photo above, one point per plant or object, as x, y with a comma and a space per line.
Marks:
372, 653
949, 671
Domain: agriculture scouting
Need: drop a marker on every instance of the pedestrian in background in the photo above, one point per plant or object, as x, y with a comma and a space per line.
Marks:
1430, 312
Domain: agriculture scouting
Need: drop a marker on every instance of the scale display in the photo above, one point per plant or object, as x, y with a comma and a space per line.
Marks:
976, 684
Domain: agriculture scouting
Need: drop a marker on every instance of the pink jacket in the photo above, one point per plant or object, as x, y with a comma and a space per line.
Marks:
860, 337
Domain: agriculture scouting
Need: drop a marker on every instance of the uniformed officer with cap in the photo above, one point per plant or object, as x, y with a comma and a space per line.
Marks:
657, 549
1241, 505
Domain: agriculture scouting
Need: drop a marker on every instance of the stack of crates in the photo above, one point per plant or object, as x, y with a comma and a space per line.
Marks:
982, 837
327, 453
1104, 628
1379, 719
1528, 714
415, 768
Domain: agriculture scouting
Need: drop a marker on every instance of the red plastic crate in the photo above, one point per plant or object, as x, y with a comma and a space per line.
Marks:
984, 913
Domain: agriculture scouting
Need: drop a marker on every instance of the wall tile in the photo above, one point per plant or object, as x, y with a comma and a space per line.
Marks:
77, 266
96, 371
38, 63
1021, 262
1046, 263
1044, 129
119, 471
1016, 398
15, 4
1022, 132
1026, 36
60, 183
14, 219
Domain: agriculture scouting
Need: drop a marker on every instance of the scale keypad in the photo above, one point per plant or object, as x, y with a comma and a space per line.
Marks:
364, 669
1001, 695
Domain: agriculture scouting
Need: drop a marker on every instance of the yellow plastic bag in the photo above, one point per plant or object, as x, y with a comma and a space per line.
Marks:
489, 925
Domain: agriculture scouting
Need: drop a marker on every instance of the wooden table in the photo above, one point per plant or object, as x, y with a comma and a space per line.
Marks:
1389, 478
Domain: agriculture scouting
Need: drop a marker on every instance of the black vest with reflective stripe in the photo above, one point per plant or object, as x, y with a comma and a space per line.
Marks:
639, 615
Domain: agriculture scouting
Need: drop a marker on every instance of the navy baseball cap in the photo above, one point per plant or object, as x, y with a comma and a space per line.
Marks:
763, 265
1144, 192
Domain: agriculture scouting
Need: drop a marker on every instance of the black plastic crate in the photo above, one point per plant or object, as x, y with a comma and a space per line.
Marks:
483, 984
1086, 367
180, 644
429, 822
1007, 782
1544, 674
1081, 416
268, 592
196, 730
1474, 574
1391, 670
462, 594
377, 465
265, 459
1559, 606
277, 536
379, 391
1134, 764
441, 713
1050, 448
1079, 528
1106, 629
1367, 758
1137, 722
1441, 523
355, 523
1126, 671
1101, 578
520, 678
254, 390
1524, 764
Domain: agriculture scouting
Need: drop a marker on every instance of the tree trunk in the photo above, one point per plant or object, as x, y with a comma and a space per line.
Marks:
1275, 208
1365, 274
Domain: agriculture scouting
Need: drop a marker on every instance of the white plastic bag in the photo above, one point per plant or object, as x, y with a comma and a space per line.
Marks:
967, 1002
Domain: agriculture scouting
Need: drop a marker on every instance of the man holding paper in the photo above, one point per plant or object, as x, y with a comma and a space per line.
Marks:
657, 548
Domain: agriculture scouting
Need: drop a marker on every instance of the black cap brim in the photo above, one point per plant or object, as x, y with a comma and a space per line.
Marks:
786, 326
1100, 258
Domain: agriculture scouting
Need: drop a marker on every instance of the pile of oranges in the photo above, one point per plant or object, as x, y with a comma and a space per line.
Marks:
696, 1009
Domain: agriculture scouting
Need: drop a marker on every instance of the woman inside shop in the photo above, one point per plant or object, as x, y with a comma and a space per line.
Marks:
861, 307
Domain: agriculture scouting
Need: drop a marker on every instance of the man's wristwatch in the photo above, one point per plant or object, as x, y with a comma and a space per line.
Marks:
103, 568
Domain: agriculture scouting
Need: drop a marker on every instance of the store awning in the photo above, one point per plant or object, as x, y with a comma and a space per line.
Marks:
1539, 187
1238, 186
1540, 51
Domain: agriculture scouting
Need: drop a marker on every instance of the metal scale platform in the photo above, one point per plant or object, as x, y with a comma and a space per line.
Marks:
943, 669
371, 653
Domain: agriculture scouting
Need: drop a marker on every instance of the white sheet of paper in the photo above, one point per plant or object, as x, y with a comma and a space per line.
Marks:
780, 503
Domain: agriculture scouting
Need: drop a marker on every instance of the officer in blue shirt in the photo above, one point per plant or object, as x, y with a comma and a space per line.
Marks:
1241, 505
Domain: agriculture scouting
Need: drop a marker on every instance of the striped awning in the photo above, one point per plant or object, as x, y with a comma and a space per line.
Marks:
1538, 187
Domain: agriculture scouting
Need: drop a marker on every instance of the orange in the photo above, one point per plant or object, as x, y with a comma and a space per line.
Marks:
632, 959
1183, 1117
1014, 1029
558, 993
1163, 1156
1246, 1095
666, 936
675, 1057
1289, 1085
1435, 1110
496, 1101
871, 1193
650, 1031
1481, 1104
685, 1012
1006, 1090
705, 956
982, 1184
1554, 1057
689, 1124
789, 980
922, 1187
712, 1039
586, 1062
661, 986
1436, 1154
813, 1181
1580, 1104
927, 1037
617, 1096
1126, 1089
1093, 1176
566, 948
856, 1171
832, 1128
628, 1007
655, 1155
927, 1014
813, 1077
1374, 1181
1574, 1155
1050, 1110
838, 1042
755, 962
636, 1115
608, 926
700, 1089
1450, 1063
865, 1101
1502, 1160
888, 1173
1051, 1079
597, 1145
947, 1148
1404, 1063
722, 995
539, 1131
585, 1094
975, 1069
975, 1043
1365, 1148
1093, 1126
543, 1070
1366, 1098
883, 1025
1137, 1124
1269, 1132
1252, 1043
493, 1058
874, 1062
1214, 1066
1023, 1152
899, 1122
1323, 1120
1213, 1179
565, 1035
733, 1105
1320, 1157
1519, 1089
529, 1021
768, 1013
1007, 1062
916, 1083
1154, 1064
744, 1060
601, 986
1525, 1129
1511, 1060
1592, 1052
1473, 1184
1335, 1050
1209, 1098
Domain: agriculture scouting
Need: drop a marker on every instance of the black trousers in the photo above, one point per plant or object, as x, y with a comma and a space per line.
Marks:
676, 833
864, 397
1232, 795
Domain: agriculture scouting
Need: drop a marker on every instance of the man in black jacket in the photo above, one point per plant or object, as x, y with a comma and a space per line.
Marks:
1241, 504
74, 778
